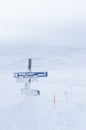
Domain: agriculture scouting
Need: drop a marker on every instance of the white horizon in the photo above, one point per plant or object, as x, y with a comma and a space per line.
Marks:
44, 22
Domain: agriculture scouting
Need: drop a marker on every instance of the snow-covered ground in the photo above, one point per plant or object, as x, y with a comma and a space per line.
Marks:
62, 101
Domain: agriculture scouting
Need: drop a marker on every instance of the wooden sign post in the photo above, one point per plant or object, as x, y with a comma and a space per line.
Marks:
28, 76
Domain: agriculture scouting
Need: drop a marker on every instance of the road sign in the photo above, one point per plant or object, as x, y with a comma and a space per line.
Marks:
30, 74
28, 77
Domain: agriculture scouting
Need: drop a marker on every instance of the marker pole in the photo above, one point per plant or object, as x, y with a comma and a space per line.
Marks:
54, 101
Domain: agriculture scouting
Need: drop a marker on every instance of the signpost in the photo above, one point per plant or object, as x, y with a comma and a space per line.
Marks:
28, 78
30, 74
29, 67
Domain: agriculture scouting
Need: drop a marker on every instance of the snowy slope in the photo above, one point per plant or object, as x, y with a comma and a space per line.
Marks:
66, 83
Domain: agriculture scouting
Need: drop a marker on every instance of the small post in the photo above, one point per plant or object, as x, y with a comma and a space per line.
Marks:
29, 67
54, 101
29, 64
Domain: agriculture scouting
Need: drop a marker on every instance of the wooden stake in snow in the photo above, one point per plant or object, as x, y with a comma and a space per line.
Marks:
54, 101
29, 67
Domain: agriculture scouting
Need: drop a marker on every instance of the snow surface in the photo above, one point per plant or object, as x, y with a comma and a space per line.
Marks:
66, 83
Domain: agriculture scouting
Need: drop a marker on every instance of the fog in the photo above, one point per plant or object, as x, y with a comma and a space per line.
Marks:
47, 22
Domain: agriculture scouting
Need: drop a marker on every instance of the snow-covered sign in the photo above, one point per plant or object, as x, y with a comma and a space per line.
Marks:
30, 74
28, 77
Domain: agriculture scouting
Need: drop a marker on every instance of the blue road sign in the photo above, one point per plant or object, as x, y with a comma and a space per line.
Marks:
30, 74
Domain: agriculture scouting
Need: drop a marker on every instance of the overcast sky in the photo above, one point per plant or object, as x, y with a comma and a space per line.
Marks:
54, 22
